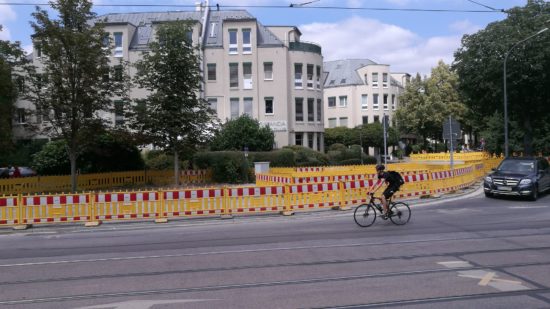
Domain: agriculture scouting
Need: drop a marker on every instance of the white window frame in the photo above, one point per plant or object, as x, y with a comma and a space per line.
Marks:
318, 77
247, 76
301, 101
393, 101
310, 76
364, 101
213, 30
119, 50
329, 101
213, 103
248, 106
208, 66
233, 47
268, 75
343, 101
343, 121
21, 116
298, 80
247, 46
332, 122
385, 80
311, 109
234, 103
375, 101
385, 101
233, 78
267, 99
319, 109
375, 80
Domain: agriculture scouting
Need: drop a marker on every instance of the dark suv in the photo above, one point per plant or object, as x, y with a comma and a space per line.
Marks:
519, 177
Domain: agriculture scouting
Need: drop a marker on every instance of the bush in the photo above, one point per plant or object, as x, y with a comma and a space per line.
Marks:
106, 153
22, 153
226, 166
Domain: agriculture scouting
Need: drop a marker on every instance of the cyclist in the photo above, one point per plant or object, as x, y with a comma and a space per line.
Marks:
394, 181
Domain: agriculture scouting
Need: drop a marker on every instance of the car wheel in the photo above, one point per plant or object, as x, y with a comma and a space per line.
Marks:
487, 194
535, 195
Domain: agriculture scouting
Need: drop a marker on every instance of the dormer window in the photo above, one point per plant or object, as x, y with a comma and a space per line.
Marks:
233, 42
118, 44
247, 45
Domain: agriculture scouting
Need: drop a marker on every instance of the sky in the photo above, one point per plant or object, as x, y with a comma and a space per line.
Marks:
409, 41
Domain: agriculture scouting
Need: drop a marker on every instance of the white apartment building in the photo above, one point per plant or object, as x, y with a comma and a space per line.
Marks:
249, 68
360, 91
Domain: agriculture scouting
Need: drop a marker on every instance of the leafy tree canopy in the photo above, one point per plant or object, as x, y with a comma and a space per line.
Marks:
244, 131
479, 63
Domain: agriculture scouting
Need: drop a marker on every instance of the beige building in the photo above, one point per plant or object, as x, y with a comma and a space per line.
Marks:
360, 91
265, 72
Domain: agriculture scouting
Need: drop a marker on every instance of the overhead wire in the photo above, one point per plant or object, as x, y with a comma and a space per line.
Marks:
295, 6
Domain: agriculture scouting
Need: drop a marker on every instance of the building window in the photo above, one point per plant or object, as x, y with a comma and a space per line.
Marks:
310, 109
310, 139
393, 101
268, 70
213, 104
189, 38
377, 119
247, 45
385, 102
310, 76
299, 139
118, 73
20, 84
375, 101
299, 109
247, 75
385, 80
331, 101
247, 102
366, 79
268, 105
318, 77
233, 42
37, 51
298, 76
106, 41
21, 116
343, 101
234, 107
118, 44
332, 122
233, 75
211, 71
364, 101
319, 110
375, 80
119, 113
343, 121
365, 119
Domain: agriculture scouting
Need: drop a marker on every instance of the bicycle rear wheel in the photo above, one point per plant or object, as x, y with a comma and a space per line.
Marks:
401, 213
364, 215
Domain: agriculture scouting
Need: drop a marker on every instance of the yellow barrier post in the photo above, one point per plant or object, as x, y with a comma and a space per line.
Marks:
227, 214
343, 202
288, 208
20, 225
161, 208
91, 212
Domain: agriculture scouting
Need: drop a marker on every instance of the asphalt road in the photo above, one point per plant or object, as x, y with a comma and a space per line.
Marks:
467, 252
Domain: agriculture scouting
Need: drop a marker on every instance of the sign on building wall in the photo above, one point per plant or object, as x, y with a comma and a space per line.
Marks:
276, 126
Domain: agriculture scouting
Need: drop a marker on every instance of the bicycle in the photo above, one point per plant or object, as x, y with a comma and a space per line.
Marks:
365, 214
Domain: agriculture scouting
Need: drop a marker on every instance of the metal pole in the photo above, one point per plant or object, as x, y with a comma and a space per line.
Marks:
361, 143
385, 147
506, 146
451, 141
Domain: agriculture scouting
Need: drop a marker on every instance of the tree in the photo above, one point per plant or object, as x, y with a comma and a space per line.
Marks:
11, 57
69, 89
427, 103
236, 134
479, 64
172, 115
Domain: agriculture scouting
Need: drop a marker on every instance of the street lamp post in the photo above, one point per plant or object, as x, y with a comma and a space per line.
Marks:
506, 152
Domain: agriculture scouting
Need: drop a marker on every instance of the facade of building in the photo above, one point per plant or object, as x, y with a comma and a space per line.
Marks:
249, 68
360, 91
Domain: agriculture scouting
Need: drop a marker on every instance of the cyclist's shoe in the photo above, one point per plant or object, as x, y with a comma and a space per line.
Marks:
384, 216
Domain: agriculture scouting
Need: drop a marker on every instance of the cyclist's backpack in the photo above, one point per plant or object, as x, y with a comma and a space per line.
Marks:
397, 178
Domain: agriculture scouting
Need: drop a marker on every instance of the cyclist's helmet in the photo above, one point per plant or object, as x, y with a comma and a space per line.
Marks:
380, 167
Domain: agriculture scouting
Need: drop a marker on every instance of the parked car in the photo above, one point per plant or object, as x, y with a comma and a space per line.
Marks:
24, 171
4, 172
520, 176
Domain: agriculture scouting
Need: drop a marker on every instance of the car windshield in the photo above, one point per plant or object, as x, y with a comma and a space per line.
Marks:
517, 166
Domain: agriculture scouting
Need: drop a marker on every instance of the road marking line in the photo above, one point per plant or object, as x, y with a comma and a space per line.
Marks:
490, 279
486, 279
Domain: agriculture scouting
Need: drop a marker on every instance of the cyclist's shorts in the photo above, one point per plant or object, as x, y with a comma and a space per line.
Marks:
390, 190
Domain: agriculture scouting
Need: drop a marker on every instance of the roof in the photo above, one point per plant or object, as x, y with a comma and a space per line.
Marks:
143, 21
344, 72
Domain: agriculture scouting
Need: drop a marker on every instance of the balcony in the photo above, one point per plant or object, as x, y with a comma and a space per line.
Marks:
305, 47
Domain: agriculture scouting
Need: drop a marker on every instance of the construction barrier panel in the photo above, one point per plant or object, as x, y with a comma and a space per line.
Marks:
264, 199
126, 206
9, 211
38, 209
196, 202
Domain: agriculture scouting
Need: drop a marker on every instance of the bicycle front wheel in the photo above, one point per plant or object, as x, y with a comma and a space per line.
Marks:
401, 213
364, 215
